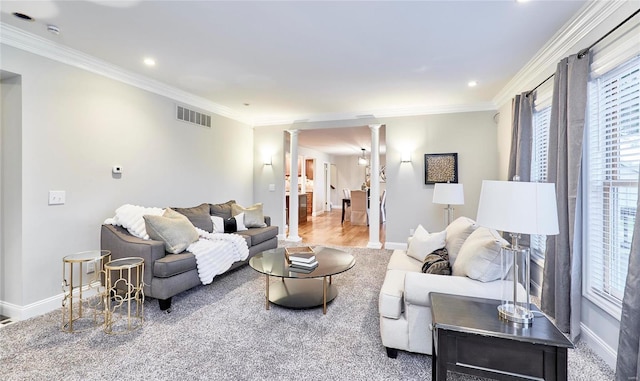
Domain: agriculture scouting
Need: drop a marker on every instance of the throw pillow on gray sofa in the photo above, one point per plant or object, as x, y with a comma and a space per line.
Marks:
253, 215
198, 215
222, 210
172, 228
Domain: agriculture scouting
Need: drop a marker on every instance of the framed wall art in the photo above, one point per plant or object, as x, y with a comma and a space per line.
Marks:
440, 168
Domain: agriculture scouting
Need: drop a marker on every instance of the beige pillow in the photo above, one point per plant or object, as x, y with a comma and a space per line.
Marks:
422, 243
479, 256
172, 228
253, 215
457, 233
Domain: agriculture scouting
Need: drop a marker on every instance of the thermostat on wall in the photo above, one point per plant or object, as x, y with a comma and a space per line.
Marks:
116, 169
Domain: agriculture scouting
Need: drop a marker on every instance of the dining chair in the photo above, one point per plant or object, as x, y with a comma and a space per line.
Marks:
359, 207
346, 204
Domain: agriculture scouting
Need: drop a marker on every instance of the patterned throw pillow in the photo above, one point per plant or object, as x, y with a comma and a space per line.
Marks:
437, 263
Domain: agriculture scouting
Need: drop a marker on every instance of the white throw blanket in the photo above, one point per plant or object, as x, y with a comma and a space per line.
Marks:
216, 252
131, 218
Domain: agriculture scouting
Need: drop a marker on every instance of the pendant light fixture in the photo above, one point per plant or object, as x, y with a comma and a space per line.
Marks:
362, 160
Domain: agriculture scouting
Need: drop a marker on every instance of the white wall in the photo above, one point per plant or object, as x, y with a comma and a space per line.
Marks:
75, 126
599, 329
10, 196
472, 135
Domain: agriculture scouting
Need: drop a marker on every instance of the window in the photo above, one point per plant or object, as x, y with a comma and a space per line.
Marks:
539, 155
613, 162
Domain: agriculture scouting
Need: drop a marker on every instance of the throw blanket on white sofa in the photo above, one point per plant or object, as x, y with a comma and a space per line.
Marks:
216, 252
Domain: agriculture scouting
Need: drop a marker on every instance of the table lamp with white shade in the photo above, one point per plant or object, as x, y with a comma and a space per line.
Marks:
448, 194
518, 208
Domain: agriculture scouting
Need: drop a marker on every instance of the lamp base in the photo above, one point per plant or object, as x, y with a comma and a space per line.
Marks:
516, 314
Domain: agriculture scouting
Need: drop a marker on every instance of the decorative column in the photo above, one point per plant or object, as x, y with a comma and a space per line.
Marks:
293, 188
374, 189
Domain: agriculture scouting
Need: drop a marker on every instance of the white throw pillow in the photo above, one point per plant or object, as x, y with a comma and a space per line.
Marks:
240, 222
422, 243
479, 256
218, 224
457, 233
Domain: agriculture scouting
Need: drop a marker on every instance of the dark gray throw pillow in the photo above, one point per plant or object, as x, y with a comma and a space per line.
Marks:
198, 215
437, 263
230, 225
222, 210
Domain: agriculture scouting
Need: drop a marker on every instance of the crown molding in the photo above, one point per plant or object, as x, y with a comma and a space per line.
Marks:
32, 43
542, 65
392, 113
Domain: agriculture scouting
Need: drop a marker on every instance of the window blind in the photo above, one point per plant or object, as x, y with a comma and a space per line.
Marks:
613, 162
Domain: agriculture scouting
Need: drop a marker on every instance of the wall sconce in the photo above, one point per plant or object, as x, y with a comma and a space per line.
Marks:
266, 159
406, 157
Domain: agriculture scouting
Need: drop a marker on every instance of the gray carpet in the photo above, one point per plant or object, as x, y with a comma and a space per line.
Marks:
223, 332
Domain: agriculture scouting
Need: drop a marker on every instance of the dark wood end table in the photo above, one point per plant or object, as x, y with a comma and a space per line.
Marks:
469, 337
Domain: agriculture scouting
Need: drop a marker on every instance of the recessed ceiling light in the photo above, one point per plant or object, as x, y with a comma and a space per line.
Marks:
472, 83
53, 29
149, 61
23, 16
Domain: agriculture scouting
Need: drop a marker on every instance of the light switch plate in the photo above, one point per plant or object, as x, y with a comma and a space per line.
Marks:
57, 197
272, 187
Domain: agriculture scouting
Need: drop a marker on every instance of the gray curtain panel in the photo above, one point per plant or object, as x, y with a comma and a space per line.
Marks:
627, 366
521, 137
562, 275
521, 144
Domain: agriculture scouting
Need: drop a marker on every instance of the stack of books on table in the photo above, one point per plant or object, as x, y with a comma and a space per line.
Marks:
302, 259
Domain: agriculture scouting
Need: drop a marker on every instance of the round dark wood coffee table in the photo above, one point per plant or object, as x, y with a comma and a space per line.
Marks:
301, 289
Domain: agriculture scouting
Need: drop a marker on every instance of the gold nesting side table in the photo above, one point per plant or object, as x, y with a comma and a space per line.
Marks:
124, 296
83, 287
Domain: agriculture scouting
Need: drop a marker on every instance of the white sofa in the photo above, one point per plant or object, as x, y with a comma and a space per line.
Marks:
404, 303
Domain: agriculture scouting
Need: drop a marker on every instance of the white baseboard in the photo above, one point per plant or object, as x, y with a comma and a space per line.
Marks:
601, 348
374, 245
395, 246
282, 237
38, 308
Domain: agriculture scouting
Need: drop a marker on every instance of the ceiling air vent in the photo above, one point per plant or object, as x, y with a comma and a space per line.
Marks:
190, 116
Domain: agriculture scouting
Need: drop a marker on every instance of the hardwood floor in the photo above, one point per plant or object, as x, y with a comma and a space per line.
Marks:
326, 229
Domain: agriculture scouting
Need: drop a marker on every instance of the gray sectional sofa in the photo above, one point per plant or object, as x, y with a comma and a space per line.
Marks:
165, 274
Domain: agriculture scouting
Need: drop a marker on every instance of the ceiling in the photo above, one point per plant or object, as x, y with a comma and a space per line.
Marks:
271, 62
